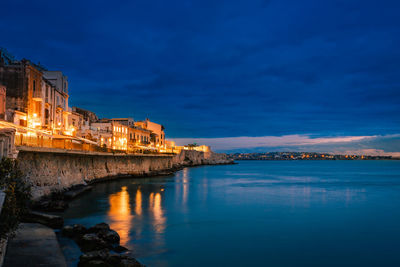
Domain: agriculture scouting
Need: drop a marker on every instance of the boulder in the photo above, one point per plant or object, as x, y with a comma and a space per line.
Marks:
50, 205
110, 236
76, 191
120, 249
100, 227
74, 231
95, 263
91, 242
104, 258
101, 255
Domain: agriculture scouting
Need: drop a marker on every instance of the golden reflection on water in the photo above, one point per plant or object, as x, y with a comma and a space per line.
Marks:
138, 207
155, 206
120, 214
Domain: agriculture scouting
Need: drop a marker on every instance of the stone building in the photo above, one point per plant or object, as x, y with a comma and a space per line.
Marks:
24, 95
108, 133
158, 135
35, 98
7, 147
61, 110
138, 138
2, 102
125, 121
87, 115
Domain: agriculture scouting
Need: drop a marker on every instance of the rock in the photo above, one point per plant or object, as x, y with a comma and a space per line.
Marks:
76, 191
74, 231
102, 255
110, 236
50, 205
100, 227
91, 242
104, 258
130, 262
53, 221
95, 263
124, 261
120, 249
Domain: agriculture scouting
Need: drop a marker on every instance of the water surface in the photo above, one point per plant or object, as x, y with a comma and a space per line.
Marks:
256, 213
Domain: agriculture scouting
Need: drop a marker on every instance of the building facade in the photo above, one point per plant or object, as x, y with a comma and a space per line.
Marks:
157, 137
2, 102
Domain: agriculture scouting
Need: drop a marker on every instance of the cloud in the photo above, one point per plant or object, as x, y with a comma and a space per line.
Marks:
268, 141
370, 145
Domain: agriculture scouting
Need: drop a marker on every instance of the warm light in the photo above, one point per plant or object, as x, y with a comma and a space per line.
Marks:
138, 207
120, 214
34, 115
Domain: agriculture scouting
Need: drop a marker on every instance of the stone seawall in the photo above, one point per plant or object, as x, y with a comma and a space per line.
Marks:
51, 170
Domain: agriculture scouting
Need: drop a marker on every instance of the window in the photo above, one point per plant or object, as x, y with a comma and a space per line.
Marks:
34, 85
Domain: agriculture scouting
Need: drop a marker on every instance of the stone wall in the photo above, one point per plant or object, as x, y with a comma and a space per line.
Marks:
52, 170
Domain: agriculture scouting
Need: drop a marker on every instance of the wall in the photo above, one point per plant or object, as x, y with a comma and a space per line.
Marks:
52, 170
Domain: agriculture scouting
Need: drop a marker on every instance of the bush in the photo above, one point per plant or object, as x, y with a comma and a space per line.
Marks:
18, 194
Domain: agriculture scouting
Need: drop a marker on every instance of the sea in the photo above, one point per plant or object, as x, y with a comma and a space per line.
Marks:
254, 213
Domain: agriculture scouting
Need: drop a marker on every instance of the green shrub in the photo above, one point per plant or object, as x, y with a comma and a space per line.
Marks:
18, 195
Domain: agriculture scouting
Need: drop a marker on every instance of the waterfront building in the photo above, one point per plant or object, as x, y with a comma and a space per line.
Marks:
2, 102
125, 121
110, 134
60, 102
157, 137
169, 146
77, 123
24, 91
138, 138
88, 116
36, 98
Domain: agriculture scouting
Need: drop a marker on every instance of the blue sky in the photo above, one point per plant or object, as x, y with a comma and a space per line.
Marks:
217, 69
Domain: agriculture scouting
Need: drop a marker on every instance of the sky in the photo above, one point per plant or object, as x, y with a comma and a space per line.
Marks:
238, 75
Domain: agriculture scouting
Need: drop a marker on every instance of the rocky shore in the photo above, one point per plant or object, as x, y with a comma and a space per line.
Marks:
100, 246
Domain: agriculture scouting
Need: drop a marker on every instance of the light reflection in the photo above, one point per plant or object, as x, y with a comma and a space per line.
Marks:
155, 204
120, 214
185, 183
138, 207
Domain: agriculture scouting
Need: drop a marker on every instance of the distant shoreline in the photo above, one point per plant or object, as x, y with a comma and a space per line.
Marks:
304, 156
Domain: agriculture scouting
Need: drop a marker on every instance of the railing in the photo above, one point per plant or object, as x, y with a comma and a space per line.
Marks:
71, 144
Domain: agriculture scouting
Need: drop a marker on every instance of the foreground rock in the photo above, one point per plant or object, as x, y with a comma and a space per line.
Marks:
105, 258
100, 245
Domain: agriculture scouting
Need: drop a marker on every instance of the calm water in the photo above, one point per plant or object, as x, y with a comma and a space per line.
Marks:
256, 213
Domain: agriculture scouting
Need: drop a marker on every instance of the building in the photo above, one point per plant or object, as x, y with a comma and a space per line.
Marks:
7, 147
77, 123
87, 115
125, 121
24, 95
2, 102
61, 110
35, 98
158, 136
169, 146
110, 134
138, 138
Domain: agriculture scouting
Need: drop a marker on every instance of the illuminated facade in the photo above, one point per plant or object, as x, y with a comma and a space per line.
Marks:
110, 134
59, 100
138, 138
158, 135
2, 102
